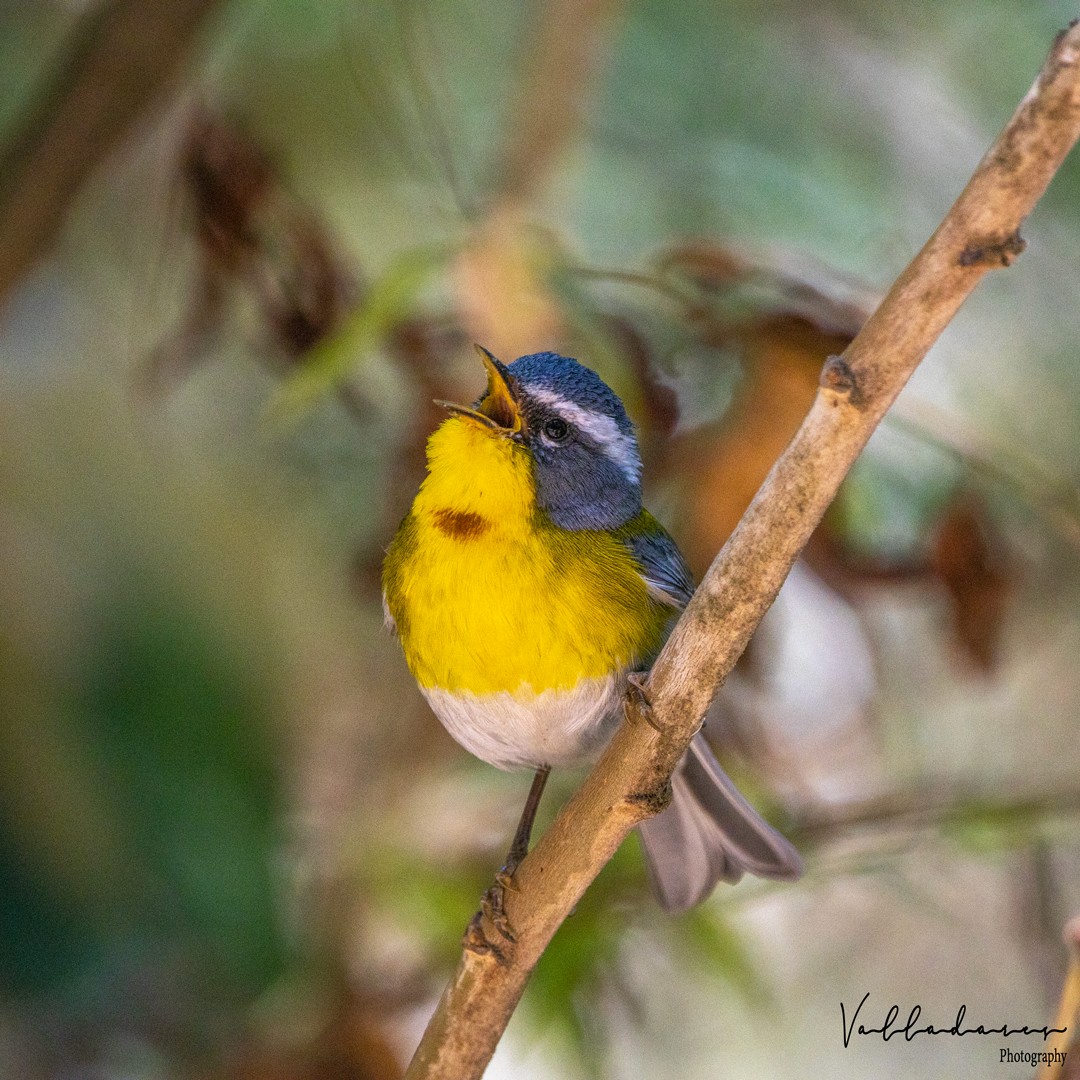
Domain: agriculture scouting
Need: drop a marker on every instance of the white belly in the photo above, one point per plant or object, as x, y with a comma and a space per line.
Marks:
512, 731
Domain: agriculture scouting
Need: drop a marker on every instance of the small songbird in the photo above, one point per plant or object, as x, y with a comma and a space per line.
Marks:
528, 581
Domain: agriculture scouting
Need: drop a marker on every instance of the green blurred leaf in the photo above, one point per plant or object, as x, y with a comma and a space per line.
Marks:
985, 828
387, 303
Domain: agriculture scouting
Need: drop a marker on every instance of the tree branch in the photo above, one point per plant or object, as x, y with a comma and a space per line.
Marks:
929, 807
114, 66
1064, 1039
565, 46
630, 781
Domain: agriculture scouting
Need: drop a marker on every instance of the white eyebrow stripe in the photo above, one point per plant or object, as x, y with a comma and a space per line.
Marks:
618, 445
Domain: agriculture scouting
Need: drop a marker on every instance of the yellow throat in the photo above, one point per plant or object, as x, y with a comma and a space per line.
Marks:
488, 595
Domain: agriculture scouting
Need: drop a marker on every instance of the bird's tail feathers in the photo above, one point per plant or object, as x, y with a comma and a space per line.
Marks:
709, 833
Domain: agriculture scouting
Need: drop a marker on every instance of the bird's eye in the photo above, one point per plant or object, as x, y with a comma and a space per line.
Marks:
556, 429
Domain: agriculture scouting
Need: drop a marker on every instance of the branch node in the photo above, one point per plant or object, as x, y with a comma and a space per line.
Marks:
838, 376
993, 250
651, 800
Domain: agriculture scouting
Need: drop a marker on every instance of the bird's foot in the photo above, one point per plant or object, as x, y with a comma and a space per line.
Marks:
493, 906
493, 902
475, 940
635, 681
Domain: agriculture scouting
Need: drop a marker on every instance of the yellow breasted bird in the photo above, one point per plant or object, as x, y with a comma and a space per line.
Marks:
528, 581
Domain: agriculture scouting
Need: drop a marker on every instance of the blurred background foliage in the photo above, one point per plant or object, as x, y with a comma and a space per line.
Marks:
240, 253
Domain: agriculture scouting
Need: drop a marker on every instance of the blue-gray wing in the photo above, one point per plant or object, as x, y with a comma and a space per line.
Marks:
666, 574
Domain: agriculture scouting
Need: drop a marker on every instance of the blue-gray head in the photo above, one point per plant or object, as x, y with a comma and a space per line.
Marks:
584, 453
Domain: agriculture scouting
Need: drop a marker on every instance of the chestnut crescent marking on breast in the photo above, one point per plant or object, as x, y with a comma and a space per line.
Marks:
461, 524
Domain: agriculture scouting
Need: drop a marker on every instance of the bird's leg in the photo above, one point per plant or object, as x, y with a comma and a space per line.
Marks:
519, 847
492, 903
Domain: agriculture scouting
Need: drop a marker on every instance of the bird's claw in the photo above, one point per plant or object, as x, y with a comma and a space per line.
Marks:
493, 902
635, 682
504, 877
493, 905
474, 939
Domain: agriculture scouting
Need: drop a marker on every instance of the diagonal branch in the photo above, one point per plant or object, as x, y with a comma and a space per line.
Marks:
566, 44
630, 781
115, 65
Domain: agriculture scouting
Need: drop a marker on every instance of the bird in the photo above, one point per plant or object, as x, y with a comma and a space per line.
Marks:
528, 584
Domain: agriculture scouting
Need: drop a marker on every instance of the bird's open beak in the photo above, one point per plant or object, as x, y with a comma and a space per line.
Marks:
498, 408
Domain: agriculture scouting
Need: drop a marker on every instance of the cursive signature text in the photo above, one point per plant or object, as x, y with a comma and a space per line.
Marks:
910, 1027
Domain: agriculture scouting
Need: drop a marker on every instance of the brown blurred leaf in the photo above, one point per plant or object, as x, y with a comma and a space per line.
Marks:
846, 568
965, 557
352, 1044
773, 281
720, 468
707, 263
228, 178
253, 235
